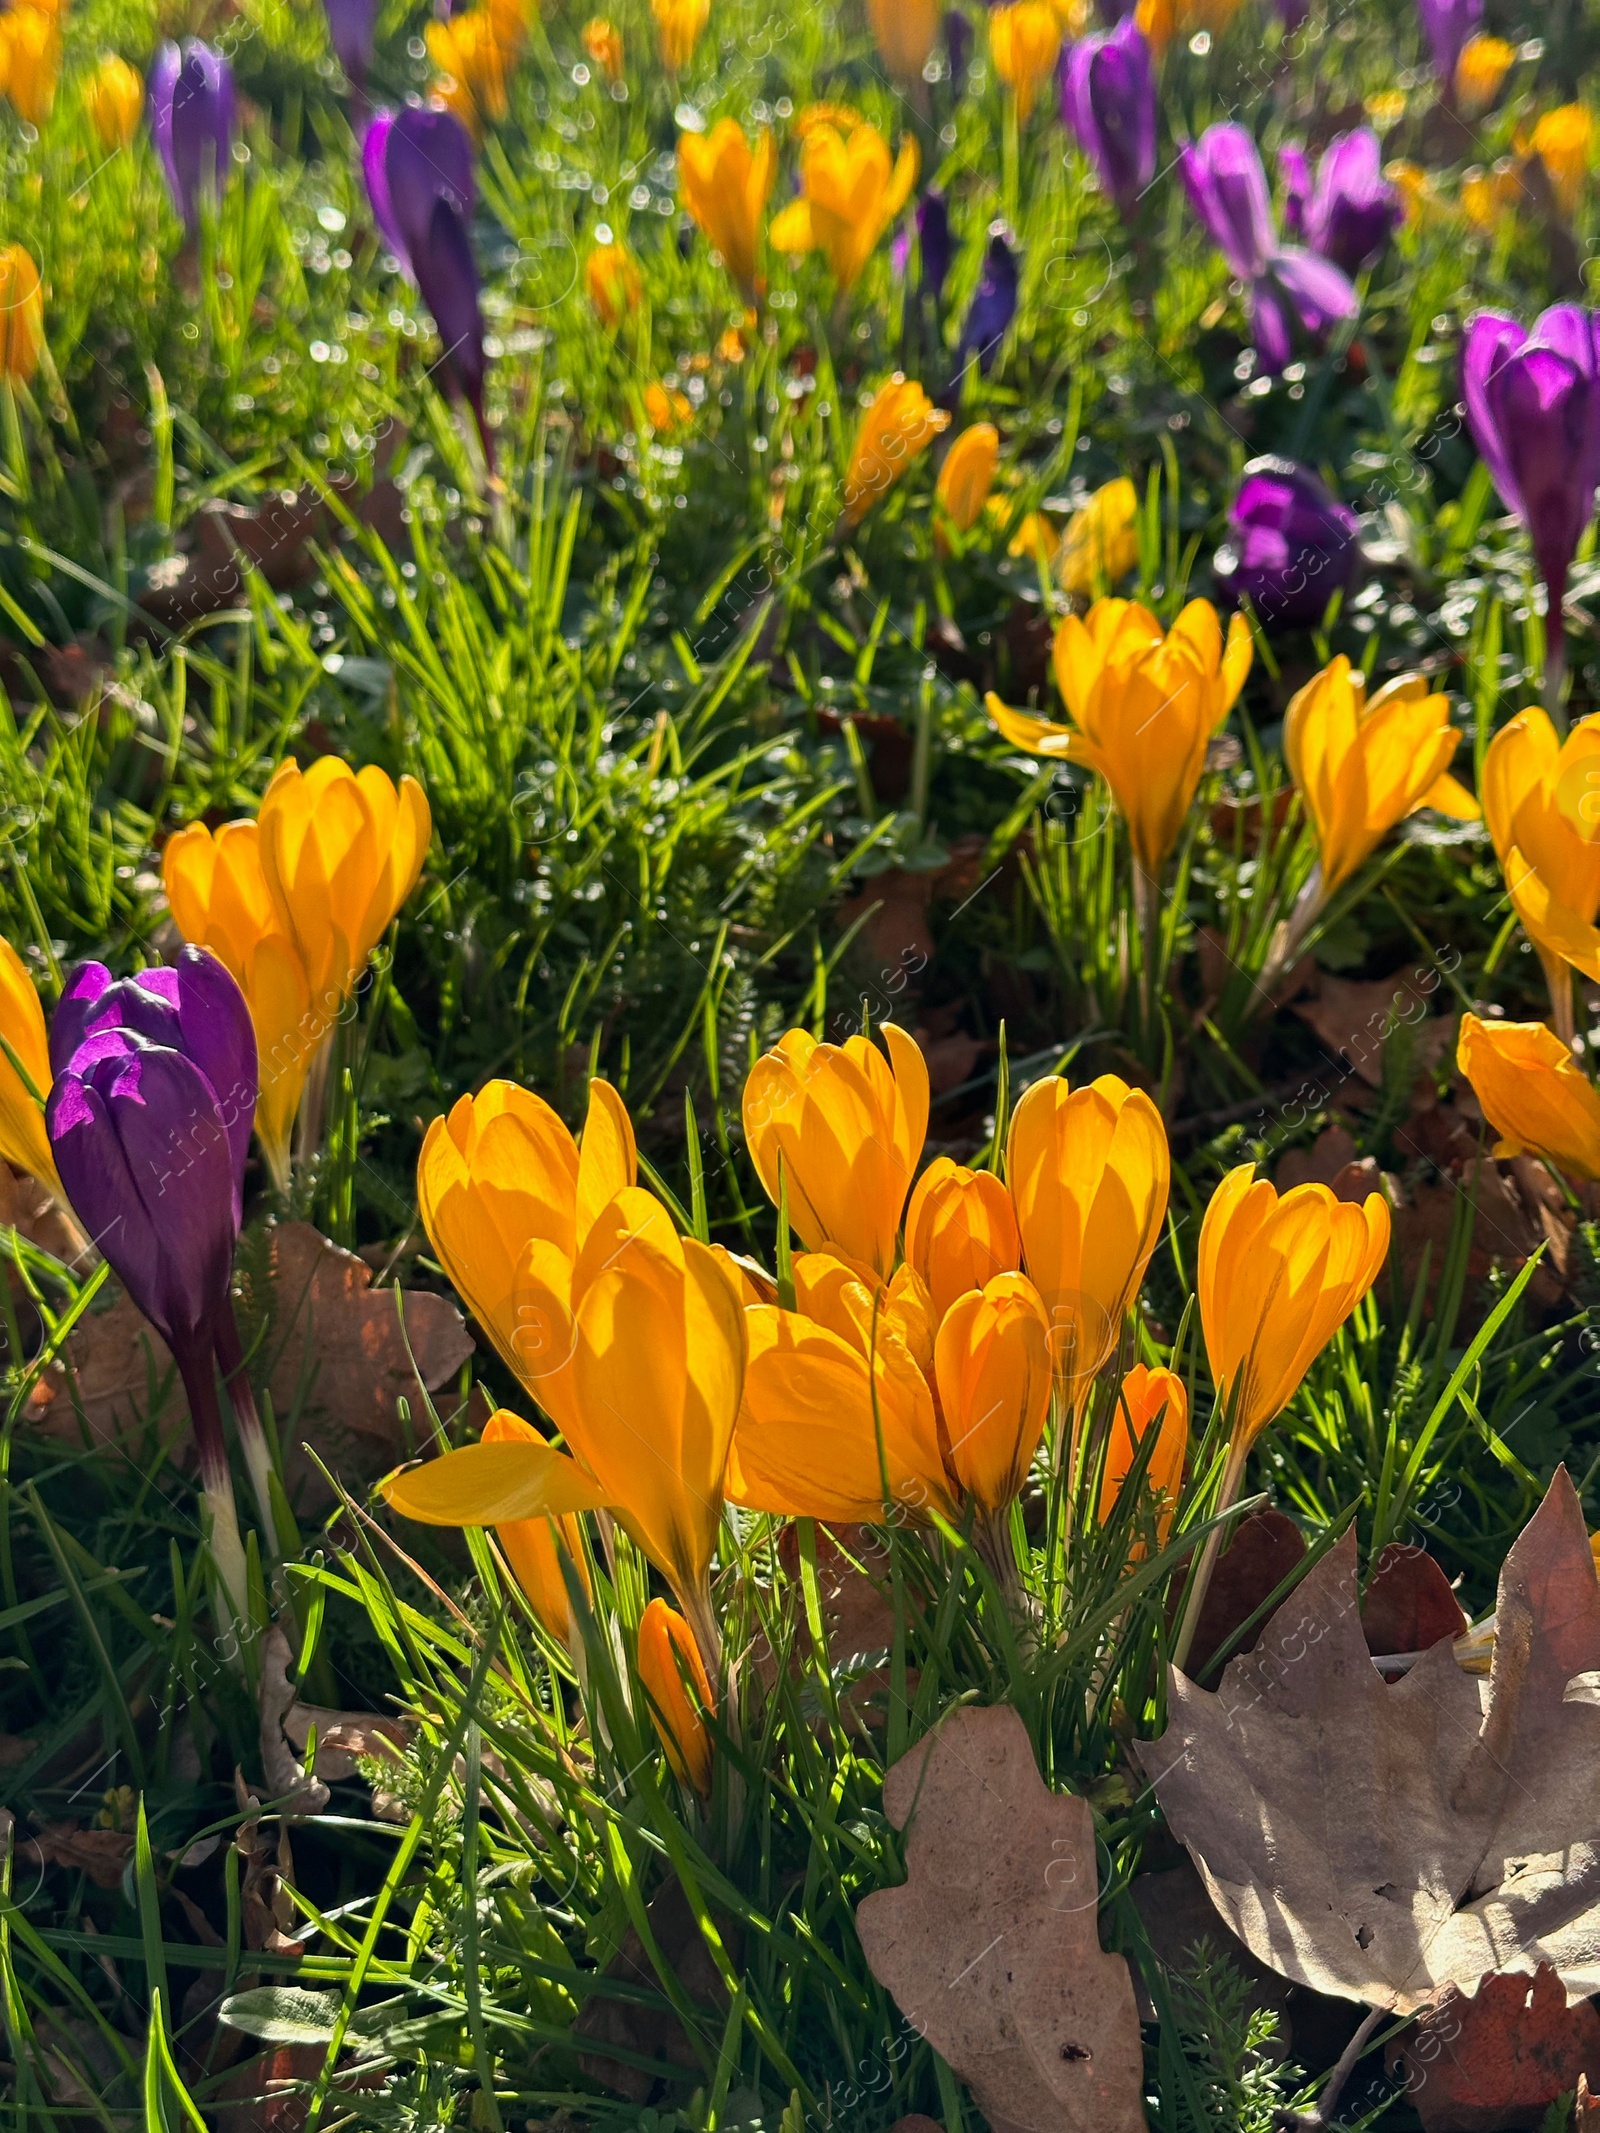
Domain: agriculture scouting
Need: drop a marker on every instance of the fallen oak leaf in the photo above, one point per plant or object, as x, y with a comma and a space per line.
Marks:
1380, 1841
991, 1947
1499, 2057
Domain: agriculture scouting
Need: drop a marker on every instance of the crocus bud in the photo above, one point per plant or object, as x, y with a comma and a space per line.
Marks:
993, 307
725, 185
537, 1548
418, 167
1361, 767
21, 314
1227, 189
1101, 543
1563, 140
1533, 1093
191, 119
1447, 24
905, 32
957, 43
896, 429
1482, 68
30, 61
113, 96
1024, 44
24, 1072
993, 1366
1148, 1399
678, 27
847, 1126
1108, 99
602, 40
613, 284
1541, 801
1089, 1173
967, 475
1277, 1279
1354, 209
351, 28
961, 1231
668, 1653
1290, 546
1533, 407
935, 247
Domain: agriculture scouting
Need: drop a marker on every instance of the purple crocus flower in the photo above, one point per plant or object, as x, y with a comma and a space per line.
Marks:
418, 168
352, 25
1294, 170
934, 243
1291, 546
957, 43
993, 307
1227, 189
191, 119
1108, 99
1533, 407
1292, 13
1354, 210
1447, 25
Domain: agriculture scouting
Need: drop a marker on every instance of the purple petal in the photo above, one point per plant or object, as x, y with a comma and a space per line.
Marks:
351, 25
1269, 327
1227, 188
374, 153
427, 157
1108, 99
1290, 546
75, 1011
1294, 169
1320, 294
1448, 24
191, 118
447, 280
1491, 339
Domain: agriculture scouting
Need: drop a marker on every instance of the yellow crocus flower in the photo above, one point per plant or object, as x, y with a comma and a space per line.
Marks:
1362, 767
993, 1369
1533, 1093
1541, 801
113, 97
905, 32
535, 1547
679, 24
1162, 20
475, 52
1277, 1279
1145, 1395
725, 185
1563, 140
602, 40
1101, 543
1024, 44
668, 1652
850, 194
613, 284
967, 475
1483, 66
894, 430
21, 314
961, 1231
1089, 1172
30, 62
24, 1143
1145, 705
847, 1126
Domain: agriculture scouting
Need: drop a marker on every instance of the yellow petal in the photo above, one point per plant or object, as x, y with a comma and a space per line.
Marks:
493, 1484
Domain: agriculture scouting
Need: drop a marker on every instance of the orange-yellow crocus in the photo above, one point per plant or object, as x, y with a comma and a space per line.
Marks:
1533, 1093
1162, 20
113, 98
1144, 1397
666, 409
961, 1231
1024, 43
30, 61
1145, 705
905, 32
725, 185
1482, 67
1362, 767
679, 24
1089, 1172
667, 1654
475, 52
896, 429
1563, 140
992, 1366
602, 40
1277, 1279
613, 284
24, 1144
847, 1126
967, 475
21, 314
1101, 543
1541, 801
850, 193
508, 1199
536, 1547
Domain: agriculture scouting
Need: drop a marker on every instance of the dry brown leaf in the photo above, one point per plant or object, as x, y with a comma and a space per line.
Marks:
1497, 2058
29, 1208
345, 1739
1586, 2110
1355, 1020
1262, 1551
1408, 1604
1380, 1841
101, 1854
991, 1947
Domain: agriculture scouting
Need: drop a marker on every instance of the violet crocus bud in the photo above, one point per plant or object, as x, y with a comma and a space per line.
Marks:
418, 168
1354, 210
1447, 24
934, 243
352, 27
993, 307
1108, 99
1533, 407
957, 44
191, 120
1291, 546
1295, 175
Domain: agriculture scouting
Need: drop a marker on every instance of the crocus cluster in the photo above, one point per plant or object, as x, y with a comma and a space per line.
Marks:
1286, 283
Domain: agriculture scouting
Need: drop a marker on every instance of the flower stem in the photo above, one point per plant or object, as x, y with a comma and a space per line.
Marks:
221, 1517
1232, 1475
247, 1420
1555, 664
